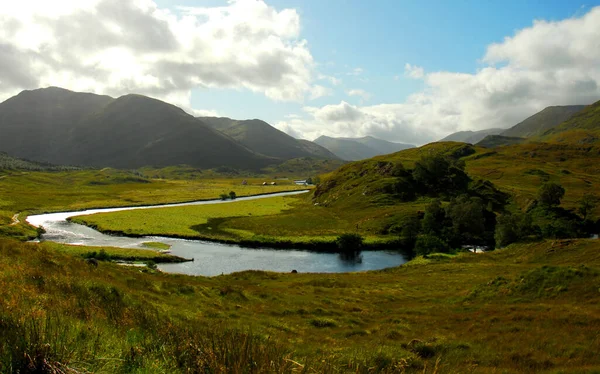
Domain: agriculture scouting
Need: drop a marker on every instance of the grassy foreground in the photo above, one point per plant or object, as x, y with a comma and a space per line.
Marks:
528, 308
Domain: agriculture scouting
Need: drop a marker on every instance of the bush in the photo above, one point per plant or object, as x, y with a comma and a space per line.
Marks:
349, 242
550, 194
232, 195
430, 244
224, 196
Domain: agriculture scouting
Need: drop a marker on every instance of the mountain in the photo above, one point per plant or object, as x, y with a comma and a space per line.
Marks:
581, 128
542, 121
13, 163
69, 128
353, 149
493, 141
471, 137
263, 138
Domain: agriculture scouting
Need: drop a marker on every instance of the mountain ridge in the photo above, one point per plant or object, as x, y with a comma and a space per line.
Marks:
355, 149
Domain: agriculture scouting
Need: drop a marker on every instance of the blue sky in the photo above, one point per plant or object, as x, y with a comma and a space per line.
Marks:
380, 37
406, 71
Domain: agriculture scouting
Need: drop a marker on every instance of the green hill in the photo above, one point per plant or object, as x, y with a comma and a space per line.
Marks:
353, 149
263, 138
540, 122
493, 141
582, 128
471, 137
69, 128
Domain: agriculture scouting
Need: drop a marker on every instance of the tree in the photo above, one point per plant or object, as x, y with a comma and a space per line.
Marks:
349, 242
427, 244
410, 231
433, 220
586, 204
465, 214
232, 195
550, 194
439, 174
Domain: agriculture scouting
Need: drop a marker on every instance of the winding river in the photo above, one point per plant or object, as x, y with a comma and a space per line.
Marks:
212, 258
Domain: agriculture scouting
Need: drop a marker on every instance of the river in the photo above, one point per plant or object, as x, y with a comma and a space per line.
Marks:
212, 258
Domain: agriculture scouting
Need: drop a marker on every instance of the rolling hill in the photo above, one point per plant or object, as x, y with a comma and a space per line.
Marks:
354, 149
69, 128
263, 138
471, 137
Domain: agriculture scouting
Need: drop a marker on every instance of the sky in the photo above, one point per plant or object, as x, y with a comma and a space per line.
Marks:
400, 70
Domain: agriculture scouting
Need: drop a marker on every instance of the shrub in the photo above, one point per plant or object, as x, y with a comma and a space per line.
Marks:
232, 195
224, 196
430, 244
550, 194
349, 242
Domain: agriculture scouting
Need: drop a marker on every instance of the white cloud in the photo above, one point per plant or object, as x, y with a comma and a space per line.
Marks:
415, 72
356, 71
333, 80
318, 91
360, 93
121, 46
549, 63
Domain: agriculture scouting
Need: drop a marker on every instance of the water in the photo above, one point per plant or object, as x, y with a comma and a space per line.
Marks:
213, 258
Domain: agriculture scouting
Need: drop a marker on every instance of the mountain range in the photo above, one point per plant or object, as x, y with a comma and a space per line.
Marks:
353, 149
70, 128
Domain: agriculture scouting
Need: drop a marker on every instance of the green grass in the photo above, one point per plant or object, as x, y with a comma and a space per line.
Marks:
156, 245
115, 254
526, 308
39, 192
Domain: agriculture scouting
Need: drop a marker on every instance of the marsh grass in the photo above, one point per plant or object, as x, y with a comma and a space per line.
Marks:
59, 314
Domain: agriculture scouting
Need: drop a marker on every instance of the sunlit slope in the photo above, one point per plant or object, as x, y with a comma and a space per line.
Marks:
583, 128
518, 170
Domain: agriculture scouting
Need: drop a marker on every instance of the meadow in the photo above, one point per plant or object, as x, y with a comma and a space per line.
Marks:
527, 308
26, 193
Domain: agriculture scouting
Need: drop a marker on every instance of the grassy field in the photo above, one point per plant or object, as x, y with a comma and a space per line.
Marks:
37, 192
528, 308
357, 205
265, 221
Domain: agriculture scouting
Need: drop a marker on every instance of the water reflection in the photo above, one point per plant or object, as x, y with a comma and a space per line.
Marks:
351, 257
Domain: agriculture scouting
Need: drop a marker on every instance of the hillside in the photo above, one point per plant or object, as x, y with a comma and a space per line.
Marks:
13, 163
582, 128
542, 121
263, 138
354, 149
493, 141
471, 137
69, 128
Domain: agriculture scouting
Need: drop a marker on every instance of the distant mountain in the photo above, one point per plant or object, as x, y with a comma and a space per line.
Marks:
542, 121
69, 128
492, 141
263, 138
471, 137
353, 149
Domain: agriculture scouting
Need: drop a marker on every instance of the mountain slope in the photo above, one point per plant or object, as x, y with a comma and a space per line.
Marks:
492, 141
540, 122
353, 149
265, 139
34, 124
471, 137
70, 128
582, 128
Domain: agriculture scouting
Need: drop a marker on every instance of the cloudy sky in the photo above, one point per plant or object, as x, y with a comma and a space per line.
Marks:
406, 71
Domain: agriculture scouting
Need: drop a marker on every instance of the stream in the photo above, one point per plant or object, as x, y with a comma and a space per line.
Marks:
212, 258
